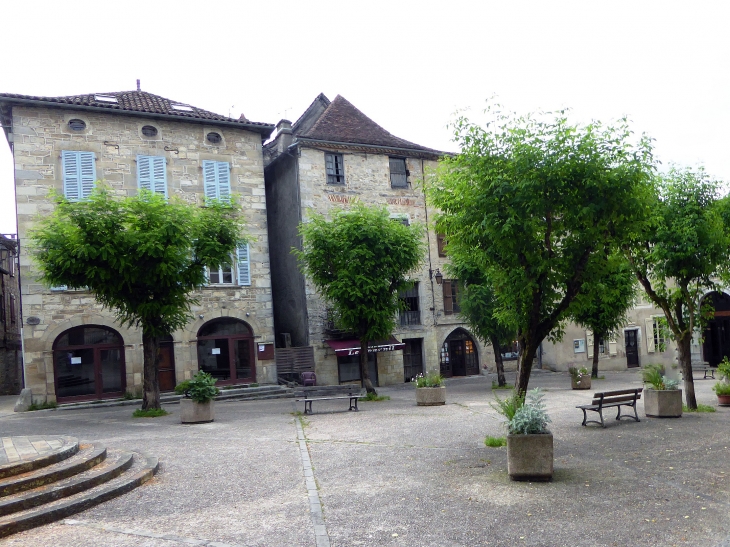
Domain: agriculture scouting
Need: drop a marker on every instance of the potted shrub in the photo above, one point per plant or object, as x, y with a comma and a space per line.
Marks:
529, 443
430, 389
663, 399
196, 407
722, 388
580, 378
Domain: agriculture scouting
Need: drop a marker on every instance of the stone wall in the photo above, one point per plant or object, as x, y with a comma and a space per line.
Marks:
11, 355
41, 134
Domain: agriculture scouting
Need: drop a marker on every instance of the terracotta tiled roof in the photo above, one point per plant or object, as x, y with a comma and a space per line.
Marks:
343, 123
138, 102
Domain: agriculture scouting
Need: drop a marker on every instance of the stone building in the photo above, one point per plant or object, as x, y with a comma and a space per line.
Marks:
74, 349
11, 355
332, 155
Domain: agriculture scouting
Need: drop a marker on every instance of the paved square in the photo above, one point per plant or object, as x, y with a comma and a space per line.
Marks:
402, 475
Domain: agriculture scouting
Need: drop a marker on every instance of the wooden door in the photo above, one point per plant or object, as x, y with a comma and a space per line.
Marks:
456, 352
166, 370
412, 359
632, 348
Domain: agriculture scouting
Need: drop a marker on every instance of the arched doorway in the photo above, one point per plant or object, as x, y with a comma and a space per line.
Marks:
717, 331
88, 363
459, 356
226, 351
166, 365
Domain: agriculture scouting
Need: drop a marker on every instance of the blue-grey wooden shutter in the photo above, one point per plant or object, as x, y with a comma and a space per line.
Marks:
151, 174
217, 180
244, 265
79, 174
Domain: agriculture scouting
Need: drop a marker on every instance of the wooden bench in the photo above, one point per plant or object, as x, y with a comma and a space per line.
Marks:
326, 393
622, 397
705, 369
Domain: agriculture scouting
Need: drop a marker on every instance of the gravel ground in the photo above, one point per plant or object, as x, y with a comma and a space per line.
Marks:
397, 474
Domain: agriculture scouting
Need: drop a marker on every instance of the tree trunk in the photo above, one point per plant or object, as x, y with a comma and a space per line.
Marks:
684, 349
596, 339
364, 372
501, 382
524, 364
151, 384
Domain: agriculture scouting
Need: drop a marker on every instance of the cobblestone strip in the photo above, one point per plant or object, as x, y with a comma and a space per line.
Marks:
315, 505
147, 534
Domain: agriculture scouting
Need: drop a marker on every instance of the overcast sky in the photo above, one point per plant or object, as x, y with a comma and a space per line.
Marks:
407, 65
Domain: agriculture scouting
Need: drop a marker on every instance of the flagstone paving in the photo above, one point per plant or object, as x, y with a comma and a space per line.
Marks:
16, 449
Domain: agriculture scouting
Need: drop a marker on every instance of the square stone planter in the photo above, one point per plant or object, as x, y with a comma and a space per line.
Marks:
196, 413
665, 403
583, 383
431, 396
530, 457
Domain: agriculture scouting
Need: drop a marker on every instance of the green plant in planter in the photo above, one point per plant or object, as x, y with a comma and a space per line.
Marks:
524, 415
432, 379
201, 388
578, 373
654, 376
723, 369
722, 389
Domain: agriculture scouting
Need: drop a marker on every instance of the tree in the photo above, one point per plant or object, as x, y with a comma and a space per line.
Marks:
608, 293
478, 303
140, 256
537, 198
680, 252
359, 261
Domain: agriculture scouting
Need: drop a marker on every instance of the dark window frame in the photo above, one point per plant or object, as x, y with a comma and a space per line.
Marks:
412, 314
441, 244
451, 296
334, 165
398, 176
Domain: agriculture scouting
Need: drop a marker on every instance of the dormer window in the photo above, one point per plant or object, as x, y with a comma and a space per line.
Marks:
182, 107
149, 131
213, 138
106, 98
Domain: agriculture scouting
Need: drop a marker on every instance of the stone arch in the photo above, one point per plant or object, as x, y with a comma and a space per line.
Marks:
225, 349
459, 354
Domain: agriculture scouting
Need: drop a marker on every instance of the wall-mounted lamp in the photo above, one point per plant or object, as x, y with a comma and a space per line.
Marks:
439, 277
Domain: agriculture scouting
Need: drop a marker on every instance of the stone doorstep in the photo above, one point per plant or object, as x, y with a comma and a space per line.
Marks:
143, 468
84, 459
68, 449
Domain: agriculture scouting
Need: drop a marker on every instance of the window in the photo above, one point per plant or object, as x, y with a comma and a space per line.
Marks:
402, 218
12, 308
149, 131
217, 180
151, 174
214, 138
656, 333
441, 244
237, 273
411, 315
398, 173
510, 352
106, 98
79, 174
335, 168
451, 296
182, 107
77, 125
2, 308
348, 368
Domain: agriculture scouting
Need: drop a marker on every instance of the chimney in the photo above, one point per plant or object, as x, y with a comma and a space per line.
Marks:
283, 136
139, 88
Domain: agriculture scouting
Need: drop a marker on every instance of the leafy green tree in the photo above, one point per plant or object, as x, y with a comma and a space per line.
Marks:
680, 253
141, 257
536, 198
359, 261
608, 293
478, 303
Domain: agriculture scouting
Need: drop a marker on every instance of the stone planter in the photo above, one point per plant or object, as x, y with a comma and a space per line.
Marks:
723, 400
196, 413
530, 457
665, 403
583, 383
431, 396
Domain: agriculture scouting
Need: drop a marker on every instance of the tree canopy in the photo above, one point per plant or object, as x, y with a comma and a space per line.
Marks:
140, 256
681, 251
537, 197
359, 261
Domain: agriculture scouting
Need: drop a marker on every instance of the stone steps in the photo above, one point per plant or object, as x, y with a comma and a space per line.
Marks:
76, 481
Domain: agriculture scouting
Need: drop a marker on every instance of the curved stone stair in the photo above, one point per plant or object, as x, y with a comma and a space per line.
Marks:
63, 477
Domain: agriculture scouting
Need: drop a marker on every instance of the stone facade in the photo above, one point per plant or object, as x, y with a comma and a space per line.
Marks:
40, 134
11, 355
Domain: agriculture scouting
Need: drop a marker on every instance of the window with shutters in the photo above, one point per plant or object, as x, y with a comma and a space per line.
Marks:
79, 174
152, 174
411, 314
660, 335
335, 168
217, 180
398, 173
451, 296
237, 273
441, 244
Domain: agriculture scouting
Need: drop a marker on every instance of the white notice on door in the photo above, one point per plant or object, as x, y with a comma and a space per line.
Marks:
75, 360
216, 351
